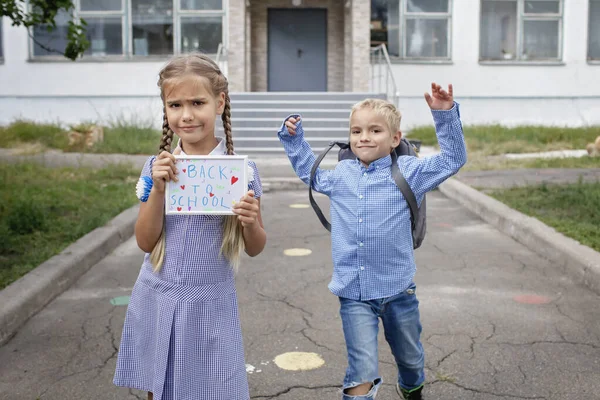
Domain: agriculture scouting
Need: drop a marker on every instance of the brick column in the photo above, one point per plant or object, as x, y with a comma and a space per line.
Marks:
236, 49
361, 21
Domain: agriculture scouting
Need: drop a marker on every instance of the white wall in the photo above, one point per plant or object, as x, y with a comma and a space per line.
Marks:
71, 92
567, 94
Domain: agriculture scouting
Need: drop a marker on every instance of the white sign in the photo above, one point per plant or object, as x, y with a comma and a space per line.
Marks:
207, 184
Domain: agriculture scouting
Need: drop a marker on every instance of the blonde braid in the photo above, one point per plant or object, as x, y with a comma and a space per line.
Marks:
167, 135
226, 118
158, 252
233, 239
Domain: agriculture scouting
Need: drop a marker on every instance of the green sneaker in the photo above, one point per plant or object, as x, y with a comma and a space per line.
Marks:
414, 394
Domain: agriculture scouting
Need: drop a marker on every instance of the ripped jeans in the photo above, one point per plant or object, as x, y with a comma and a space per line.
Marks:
402, 328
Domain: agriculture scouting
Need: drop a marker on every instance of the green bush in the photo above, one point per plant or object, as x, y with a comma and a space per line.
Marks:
26, 217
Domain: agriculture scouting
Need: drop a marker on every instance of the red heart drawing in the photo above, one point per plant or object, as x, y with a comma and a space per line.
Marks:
178, 208
211, 194
183, 170
182, 187
233, 180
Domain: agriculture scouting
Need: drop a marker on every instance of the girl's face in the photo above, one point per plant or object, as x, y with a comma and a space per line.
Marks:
191, 110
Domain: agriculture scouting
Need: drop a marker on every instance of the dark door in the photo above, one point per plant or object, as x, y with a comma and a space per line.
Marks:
297, 49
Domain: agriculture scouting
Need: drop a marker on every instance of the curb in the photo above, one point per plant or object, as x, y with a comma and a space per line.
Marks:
23, 298
579, 262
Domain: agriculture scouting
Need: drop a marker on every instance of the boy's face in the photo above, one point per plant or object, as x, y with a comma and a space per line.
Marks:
370, 136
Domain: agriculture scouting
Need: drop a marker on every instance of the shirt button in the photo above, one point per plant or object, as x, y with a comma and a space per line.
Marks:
365, 174
360, 196
361, 244
360, 220
362, 268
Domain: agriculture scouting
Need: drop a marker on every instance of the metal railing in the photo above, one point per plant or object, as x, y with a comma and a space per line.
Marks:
382, 78
221, 57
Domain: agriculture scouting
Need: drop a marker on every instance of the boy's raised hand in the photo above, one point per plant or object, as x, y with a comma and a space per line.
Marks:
290, 123
439, 99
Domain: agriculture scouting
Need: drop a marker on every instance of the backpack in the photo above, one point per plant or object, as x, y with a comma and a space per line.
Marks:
418, 215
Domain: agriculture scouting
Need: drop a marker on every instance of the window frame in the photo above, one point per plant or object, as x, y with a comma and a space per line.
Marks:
590, 60
127, 32
403, 16
521, 18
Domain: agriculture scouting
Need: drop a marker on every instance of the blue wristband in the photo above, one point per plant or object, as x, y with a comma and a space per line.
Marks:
143, 187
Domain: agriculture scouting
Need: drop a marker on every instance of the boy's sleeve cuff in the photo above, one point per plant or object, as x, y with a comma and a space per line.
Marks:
447, 115
283, 132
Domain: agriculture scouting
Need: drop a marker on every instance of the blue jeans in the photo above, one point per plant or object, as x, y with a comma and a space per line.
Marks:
402, 328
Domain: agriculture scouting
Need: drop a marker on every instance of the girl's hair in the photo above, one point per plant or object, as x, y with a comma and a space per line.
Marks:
202, 66
383, 108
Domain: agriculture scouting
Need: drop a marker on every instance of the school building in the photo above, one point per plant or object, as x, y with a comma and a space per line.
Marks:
511, 61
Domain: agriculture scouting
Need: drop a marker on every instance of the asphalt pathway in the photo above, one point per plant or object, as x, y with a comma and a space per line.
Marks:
499, 321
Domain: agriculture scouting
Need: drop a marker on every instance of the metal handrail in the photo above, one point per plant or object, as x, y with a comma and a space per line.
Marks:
221, 56
220, 52
381, 70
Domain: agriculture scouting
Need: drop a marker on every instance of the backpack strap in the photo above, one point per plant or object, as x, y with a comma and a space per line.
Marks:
313, 172
406, 191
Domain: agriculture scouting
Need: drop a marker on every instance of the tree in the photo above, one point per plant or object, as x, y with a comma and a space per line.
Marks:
43, 13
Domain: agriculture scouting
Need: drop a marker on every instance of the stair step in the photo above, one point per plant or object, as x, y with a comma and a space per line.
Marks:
281, 113
243, 150
309, 139
349, 96
257, 116
275, 123
292, 104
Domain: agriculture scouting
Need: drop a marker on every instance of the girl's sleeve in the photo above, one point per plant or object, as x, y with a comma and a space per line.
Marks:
147, 168
254, 182
144, 184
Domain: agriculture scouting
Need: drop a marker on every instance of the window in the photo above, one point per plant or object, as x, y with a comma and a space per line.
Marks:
1, 48
139, 28
594, 31
521, 30
412, 29
104, 29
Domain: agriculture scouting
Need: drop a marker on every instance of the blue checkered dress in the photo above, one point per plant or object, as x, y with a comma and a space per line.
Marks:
182, 337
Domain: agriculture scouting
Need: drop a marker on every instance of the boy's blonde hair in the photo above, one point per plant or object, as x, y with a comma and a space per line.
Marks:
382, 108
202, 66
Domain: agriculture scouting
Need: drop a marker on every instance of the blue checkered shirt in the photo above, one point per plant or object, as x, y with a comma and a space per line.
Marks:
371, 239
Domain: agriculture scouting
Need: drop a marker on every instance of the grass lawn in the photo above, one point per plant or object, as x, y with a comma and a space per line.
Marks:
487, 144
480, 162
44, 210
119, 137
495, 139
572, 210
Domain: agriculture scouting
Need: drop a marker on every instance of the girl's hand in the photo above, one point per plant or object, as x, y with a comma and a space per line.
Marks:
247, 210
291, 125
163, 170
439, 98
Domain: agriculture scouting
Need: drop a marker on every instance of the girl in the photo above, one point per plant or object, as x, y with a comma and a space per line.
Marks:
182, 338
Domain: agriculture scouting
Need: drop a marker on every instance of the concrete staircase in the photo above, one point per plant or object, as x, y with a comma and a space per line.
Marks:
257, 116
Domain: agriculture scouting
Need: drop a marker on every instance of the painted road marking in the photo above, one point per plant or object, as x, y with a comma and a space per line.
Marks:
120, 301
297, 252
299, 206
299, 361
532, 299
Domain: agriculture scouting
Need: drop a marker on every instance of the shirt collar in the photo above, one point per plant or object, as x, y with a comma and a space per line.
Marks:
219, 150
382, 162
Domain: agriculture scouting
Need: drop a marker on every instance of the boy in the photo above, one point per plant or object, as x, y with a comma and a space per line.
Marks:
371, 235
